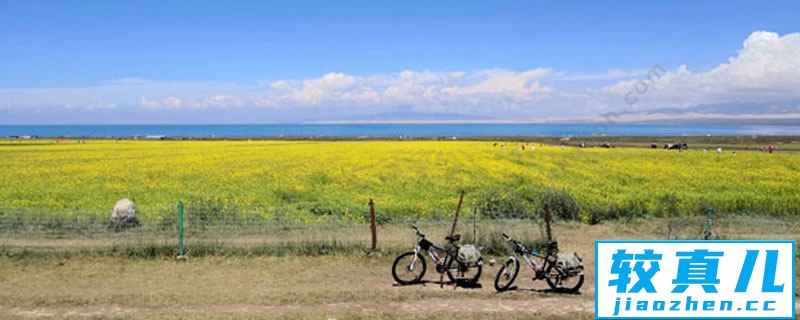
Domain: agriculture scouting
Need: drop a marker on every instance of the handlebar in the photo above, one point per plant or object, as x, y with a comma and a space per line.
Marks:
510, 239
416, 231
518, 244
551, 247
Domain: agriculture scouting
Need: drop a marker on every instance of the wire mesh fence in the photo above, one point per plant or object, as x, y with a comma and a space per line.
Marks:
245, 232
219, 231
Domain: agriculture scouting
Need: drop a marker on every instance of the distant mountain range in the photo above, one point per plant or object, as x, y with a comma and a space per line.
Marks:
737, 108
408, 116
745, 112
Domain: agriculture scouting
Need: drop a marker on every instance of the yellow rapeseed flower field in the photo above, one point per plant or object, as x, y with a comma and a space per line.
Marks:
308, 179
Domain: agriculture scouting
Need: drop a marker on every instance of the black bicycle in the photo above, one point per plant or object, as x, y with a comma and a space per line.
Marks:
565, 275
410, 266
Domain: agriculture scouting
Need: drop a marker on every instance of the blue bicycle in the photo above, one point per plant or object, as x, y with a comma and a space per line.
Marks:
562, 272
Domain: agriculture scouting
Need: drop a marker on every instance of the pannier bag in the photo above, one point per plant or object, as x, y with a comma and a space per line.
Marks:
571, 263
469, 255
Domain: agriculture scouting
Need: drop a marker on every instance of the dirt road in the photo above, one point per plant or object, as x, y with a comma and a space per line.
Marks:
301, 287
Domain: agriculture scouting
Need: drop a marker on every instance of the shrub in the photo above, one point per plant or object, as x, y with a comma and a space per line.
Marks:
206, 211
630, 210
562, 204
598, 214
668, 205
496, 204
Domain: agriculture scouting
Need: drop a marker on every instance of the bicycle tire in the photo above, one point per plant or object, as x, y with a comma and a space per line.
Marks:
470, 280
421, 264
553, 278
510, 263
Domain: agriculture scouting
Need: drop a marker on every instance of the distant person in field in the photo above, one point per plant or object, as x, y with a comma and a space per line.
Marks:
522, 146
719, 150
771, 148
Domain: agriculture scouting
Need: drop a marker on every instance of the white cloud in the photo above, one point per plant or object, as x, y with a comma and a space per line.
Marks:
172, 102
609, 75
767, 67
423, 90
149, 104
505, 82
221, 101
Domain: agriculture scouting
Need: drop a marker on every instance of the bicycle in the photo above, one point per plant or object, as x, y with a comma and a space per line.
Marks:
409, 267
558, 275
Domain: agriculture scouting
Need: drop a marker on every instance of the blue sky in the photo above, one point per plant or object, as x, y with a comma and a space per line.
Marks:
520, 59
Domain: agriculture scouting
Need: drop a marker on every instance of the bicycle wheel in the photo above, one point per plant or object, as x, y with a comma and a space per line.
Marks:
506, 276
557, 280
404, 272
457, 271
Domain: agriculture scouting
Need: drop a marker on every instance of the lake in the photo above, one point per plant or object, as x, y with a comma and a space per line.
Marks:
392, 130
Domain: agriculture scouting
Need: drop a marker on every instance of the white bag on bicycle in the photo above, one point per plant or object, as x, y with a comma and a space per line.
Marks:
469, 255
571, 262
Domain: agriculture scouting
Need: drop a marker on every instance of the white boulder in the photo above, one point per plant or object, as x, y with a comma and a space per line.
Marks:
124, 214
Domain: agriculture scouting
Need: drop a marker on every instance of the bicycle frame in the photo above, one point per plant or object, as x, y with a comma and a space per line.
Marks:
435, 251
546, 268
537, 268
527, 254
445, 261
432, 252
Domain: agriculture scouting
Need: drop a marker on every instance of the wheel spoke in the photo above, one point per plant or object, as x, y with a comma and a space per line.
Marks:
408, 269
506, 275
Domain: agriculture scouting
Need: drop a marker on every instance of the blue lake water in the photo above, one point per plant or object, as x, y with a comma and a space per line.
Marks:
392, 130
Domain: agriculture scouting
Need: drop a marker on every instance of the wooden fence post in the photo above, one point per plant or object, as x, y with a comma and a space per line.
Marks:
709, 215
548, 217
458, 209
372, 224
474, 225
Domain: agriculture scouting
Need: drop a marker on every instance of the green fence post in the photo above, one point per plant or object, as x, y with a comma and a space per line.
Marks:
180, 228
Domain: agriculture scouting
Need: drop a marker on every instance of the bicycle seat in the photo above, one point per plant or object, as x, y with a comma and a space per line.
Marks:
454, 238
